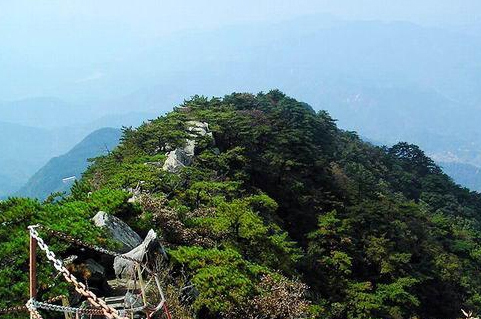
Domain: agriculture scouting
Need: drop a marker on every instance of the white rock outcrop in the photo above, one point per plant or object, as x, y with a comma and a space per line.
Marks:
119, 230
183, 156
177, 159
151, 246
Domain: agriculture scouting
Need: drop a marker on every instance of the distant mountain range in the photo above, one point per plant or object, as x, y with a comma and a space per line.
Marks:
25, 149
33, 131
60, 172
464, 174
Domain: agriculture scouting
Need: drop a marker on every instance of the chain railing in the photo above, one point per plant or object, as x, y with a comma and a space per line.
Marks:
101, 307
24, 308
80, 287
33, 310
79, 242
13, 309
59, 308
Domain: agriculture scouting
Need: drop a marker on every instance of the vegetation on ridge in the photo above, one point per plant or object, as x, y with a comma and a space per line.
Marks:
280, 215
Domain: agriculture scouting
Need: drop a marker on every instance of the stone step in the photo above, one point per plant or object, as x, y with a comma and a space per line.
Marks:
114, 299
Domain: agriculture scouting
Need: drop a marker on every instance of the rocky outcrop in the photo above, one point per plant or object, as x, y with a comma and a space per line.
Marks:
119, 230
183, 156
199, 128
135, 192
151, 247
177, 159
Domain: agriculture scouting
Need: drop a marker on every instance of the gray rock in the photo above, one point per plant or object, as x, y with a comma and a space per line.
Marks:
119, 230
155, 164
151, 247
135, 192
189, 149
97, 271
198, 128
177, 159
181, 157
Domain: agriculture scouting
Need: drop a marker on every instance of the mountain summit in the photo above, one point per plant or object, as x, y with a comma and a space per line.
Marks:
277, 213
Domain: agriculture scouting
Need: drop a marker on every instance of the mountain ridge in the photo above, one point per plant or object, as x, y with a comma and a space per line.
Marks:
273, 197
49, 178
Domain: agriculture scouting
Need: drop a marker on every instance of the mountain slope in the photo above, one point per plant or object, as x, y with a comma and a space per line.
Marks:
275, 212
374, 223
49, 178
25, 149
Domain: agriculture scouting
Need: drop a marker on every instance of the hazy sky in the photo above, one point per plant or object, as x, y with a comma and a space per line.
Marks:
32, 25
152, 17
46, 40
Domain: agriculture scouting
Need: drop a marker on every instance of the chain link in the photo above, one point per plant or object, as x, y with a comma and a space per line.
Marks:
52, 307
79, 242
13, 309
24, 308
33, 310
89, 311
103, 309
58, 264
80, 287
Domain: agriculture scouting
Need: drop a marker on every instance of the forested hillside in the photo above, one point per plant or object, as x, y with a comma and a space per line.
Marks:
278, 214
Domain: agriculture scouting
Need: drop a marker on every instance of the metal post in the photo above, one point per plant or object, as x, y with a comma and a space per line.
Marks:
33, 269
142, 285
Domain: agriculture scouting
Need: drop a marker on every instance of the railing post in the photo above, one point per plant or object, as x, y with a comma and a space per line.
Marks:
33, 269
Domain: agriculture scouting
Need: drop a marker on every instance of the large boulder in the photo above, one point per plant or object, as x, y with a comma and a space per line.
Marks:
119, 230
177, 159
183, 156
150, 248
198, 128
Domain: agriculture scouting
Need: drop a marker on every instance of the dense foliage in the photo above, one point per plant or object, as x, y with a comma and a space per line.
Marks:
280, 215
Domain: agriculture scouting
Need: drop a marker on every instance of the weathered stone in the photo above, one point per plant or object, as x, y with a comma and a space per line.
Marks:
119, 230
135, 192
183, 156
177, 159
151, 247
155, 164
199, 128
189, 149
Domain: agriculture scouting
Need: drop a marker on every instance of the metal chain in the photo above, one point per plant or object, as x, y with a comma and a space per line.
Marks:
88, 311
24, 308
13, 309
51, 307
33, 310
79, 242
80, 287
